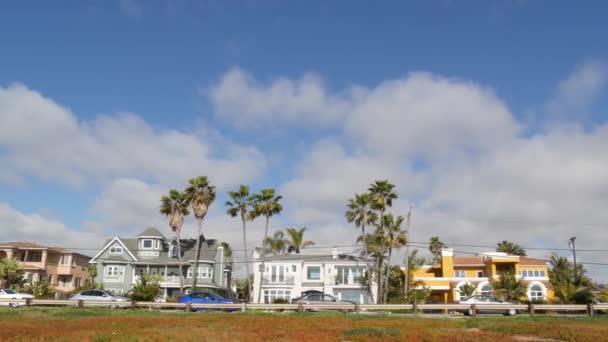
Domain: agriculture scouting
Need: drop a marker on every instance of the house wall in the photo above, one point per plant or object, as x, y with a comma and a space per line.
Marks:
297, 280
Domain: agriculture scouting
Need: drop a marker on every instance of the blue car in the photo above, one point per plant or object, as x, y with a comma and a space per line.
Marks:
206, 298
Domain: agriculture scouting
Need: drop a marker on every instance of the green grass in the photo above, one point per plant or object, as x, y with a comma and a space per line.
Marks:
370, 332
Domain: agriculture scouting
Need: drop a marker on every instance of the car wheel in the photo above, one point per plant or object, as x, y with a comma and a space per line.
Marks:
511, 312
469, 312
13, 305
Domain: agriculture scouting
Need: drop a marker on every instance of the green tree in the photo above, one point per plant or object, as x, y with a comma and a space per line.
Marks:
42, 289
266, 204
395, 238
395, 289
435, 247
468, 289
359, 211
227, 249
296, 240
92, 270
376, 249
510, 248
412, 264
175, 207
567, 287
240, 204
147, 288
276, 244
11, 272
508, 287
200, 194
382, 195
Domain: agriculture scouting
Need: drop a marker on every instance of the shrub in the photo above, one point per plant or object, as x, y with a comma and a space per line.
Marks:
280, 301
41, 289
172, 299
147, 288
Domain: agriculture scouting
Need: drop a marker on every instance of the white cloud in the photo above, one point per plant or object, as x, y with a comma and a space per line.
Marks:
246, 102
18, 226
44, 139
576, 93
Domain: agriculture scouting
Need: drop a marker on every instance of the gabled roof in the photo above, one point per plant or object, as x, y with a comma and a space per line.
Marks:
151, 232
112, 242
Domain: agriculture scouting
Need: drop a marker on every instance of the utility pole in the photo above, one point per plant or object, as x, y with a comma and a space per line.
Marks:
407, 251
573, 248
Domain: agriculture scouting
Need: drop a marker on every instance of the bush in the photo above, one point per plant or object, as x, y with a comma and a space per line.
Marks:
147, 288
42, 290
172, 299
280, 301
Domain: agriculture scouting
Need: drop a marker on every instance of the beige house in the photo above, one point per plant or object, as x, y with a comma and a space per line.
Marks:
65, 270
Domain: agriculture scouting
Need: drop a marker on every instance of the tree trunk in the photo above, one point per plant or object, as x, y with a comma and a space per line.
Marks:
263, 259
388, 272
248, 294
369, 275
379, 278
179, 265
198, 255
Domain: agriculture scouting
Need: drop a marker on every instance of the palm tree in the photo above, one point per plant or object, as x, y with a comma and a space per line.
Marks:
240, 204
394, 237
435, 247
175, 207
510, 248
11, 272
359, 212
227, 249
296, 240
508, 287
200, 194
382, 196
376, 249
275, 244
266, 204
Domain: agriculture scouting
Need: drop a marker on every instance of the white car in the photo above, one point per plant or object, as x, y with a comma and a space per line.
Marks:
484, 299
12, 294
99, 295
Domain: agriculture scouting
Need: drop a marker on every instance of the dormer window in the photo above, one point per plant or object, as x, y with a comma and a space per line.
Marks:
116, 249
147, 243
173, 251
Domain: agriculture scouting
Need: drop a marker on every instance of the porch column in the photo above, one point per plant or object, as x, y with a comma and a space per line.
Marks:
43, 260
148, 268
166, 270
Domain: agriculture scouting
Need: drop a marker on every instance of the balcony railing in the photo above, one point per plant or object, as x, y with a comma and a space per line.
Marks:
277, 280
348, 280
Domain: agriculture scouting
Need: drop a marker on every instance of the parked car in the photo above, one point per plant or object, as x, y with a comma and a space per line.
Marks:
206, 298
320, 298
99, 295
12, 294
484, 299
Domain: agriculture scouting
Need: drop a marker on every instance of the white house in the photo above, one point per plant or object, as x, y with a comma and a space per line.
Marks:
289, 276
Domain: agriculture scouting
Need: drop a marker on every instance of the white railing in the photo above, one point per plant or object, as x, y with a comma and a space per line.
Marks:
276, 280
416, 309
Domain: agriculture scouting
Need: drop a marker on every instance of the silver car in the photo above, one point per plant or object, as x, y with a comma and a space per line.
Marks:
12, 294
99, 295
484, 299
322, 299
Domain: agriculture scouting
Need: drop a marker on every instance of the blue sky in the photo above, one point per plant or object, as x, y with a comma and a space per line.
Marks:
314, 98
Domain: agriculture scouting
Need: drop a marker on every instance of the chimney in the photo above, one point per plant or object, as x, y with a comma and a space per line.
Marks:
334, 253
447, 262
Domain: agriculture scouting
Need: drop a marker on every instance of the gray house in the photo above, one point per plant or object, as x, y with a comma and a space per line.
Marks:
122, 261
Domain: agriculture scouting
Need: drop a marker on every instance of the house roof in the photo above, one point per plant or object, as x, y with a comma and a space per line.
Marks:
532, 262
152, 232
314, 258
468, 261
36, 246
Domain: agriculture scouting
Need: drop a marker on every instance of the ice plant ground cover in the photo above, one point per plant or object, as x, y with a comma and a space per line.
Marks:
71, 324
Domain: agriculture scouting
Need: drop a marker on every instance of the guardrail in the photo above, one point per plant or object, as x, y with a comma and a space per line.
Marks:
472, 310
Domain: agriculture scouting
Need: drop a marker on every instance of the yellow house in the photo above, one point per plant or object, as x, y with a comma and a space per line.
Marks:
446, 278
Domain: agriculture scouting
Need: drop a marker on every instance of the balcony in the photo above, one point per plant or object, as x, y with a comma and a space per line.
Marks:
277, 280
347, 281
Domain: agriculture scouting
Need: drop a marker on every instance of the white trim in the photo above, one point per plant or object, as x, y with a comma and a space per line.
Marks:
450, 279
109, 244
151, 237
542, 287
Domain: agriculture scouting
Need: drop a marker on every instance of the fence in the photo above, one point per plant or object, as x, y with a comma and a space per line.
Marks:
473, 309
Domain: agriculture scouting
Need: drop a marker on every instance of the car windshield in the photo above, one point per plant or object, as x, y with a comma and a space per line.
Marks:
7, 291
214, 296
110, 293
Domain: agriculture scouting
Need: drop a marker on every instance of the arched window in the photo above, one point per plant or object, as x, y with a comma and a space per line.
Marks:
536, 292
486, 290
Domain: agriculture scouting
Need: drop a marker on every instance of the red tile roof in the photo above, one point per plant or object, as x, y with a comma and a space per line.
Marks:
531, 262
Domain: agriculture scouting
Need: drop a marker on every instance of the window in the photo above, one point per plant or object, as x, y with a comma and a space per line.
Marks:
205, 272
542, 273
536, 293
349, 275
486, 290
173, 251
114, 271
116, 249
460, 274
293, 268
480, 274
156, 244
64, 260
34, 257
523, 273
272, 294
77, 282
536, 273
146, 244
313, 273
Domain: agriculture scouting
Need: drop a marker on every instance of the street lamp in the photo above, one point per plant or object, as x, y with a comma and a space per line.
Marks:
572, 246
